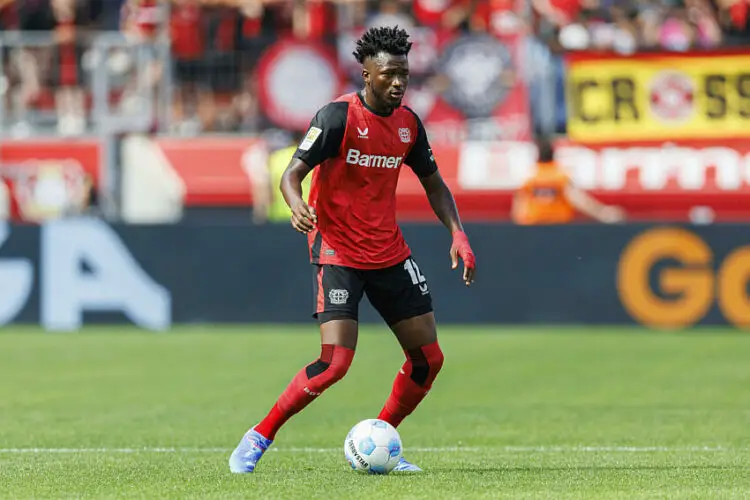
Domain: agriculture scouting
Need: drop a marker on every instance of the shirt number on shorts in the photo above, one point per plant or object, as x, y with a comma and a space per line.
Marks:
417, 278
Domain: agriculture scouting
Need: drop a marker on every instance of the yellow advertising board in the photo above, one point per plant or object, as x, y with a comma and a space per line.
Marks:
658, 96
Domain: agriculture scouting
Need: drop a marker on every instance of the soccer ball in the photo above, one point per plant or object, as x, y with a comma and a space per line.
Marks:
373, 446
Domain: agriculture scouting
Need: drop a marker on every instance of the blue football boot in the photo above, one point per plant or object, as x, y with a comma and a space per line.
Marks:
245, 457
404, 466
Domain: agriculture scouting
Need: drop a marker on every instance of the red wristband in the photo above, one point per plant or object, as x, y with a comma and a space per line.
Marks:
463, 249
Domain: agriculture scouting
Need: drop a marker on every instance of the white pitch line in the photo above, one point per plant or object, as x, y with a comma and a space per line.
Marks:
617, 449
444, 449
207, 450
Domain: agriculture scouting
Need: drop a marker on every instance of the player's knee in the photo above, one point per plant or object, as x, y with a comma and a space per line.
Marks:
435, 359
426, 362
331, 367
325, 375
339, 371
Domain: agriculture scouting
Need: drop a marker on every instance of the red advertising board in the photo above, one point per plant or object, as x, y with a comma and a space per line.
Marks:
651, 181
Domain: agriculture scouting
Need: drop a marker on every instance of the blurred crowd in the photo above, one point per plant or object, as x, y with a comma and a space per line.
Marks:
215, 45
582, 24
627, 26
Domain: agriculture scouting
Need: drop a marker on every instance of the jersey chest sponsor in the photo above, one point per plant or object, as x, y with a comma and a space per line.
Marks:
357, 157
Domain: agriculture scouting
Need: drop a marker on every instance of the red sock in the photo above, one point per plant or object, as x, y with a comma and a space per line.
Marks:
308, 384
412, 383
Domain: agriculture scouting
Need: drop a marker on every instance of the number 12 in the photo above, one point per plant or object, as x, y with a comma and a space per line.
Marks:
413, 269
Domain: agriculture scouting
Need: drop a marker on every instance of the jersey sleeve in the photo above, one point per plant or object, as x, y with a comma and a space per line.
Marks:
420, 158
325, 135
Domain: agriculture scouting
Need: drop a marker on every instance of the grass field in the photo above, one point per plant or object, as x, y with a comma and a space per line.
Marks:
573, 413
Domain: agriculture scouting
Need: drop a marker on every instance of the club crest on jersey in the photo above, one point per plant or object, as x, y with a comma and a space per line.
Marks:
405, 135
363, 132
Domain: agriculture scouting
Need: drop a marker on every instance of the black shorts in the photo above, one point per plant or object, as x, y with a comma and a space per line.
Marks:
399, 292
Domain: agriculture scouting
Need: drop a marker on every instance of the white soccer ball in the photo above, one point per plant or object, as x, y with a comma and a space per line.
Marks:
373, 446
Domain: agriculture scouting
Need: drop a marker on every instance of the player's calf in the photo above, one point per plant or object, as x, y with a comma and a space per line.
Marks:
412, 383
309, 383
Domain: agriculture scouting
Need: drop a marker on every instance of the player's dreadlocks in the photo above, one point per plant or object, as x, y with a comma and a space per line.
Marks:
389, 39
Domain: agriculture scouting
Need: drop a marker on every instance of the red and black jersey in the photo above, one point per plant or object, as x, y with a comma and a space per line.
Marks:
358, 154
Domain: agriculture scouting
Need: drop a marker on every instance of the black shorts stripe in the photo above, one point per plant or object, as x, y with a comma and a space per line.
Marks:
317, 243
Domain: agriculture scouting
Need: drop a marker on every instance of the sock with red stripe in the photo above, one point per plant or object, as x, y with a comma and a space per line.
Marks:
412, 383
308, 384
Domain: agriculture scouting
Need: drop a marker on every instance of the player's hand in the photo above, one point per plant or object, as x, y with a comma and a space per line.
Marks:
461, 249
304, 217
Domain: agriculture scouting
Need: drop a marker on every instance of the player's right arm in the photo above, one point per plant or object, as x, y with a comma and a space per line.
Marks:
303, 215
322, 141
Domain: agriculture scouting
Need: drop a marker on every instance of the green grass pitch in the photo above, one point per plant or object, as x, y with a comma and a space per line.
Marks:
529, 413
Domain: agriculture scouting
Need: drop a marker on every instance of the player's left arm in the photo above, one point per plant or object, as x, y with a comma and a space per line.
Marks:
422, 162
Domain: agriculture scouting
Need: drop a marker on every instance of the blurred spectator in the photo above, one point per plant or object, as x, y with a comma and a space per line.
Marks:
734, 18
141, 22
8, 14
192, 93
702, 15
391, 13
140, 19
110, 13
223, 65
31, 16
39, 65
67, 73
561, 12
549, 197
448, 15
265, 162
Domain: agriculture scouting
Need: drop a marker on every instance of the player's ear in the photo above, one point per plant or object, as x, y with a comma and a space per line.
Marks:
366, 76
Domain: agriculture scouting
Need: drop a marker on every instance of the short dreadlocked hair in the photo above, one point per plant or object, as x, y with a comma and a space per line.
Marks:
389, 39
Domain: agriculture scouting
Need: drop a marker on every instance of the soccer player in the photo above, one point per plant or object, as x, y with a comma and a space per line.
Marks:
355, 147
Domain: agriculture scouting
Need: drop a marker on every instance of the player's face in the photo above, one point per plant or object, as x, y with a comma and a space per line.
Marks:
386, 77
